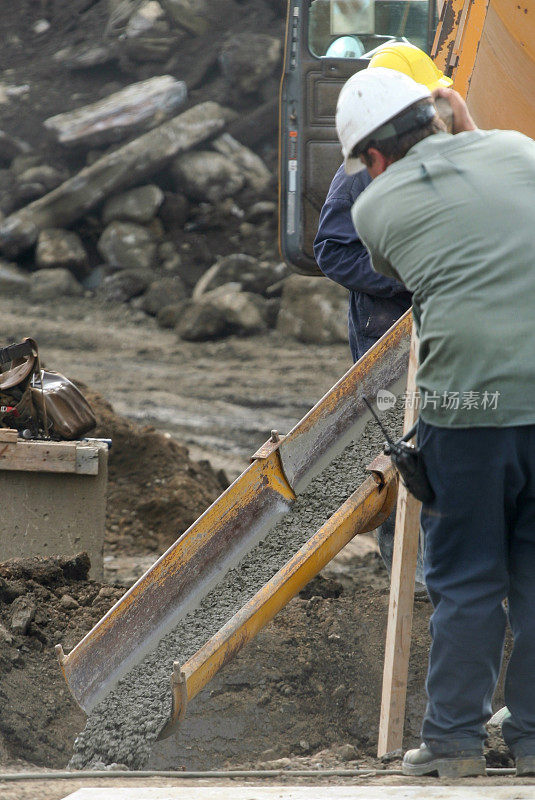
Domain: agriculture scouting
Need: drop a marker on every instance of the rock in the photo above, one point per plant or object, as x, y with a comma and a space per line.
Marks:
313, 310
174, 210
163, 292
107, 593
253, 169
124, 285
222, 312
147, 36
24, 162
277, 764
68, 603
248, 60
47, 284
261, 210
5, 635
169, 316
187, 14
169, 257
122, 168
207, 176
13, 280
200, 322
347, 752
137, 205
85, 56
138, 107
125, 245
145, 19
10, 147
41, 26
252, 275
36, 182
59, 248
22, 613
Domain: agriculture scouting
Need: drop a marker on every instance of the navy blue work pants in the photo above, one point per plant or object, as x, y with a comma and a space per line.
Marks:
479, 550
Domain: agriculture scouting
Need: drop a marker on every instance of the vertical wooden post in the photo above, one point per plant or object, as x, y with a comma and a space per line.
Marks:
398, 634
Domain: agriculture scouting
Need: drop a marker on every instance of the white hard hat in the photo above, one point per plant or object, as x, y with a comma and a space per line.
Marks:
368, 100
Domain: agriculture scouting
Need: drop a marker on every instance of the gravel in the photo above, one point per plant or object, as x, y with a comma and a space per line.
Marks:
123, 727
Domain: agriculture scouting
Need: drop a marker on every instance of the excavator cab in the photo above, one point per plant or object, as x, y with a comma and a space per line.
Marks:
327, 41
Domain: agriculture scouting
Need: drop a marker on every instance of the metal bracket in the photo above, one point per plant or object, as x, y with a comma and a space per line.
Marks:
179, 689
378, 467
381, 470
272, 444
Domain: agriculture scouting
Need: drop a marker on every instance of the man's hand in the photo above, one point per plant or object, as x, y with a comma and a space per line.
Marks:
462, 121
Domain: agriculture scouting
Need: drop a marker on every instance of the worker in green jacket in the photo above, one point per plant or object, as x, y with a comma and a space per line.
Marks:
453, 218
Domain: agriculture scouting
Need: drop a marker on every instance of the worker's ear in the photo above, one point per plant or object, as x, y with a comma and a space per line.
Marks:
376, 162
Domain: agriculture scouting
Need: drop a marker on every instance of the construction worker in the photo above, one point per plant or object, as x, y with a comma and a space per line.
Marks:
375, 301
453, 218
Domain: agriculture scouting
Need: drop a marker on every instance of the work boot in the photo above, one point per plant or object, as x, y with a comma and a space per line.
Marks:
422, 761
525, 765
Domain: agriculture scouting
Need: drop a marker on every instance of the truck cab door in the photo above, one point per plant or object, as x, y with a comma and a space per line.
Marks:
327, 41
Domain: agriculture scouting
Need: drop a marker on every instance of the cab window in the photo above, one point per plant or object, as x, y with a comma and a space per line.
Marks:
354, 28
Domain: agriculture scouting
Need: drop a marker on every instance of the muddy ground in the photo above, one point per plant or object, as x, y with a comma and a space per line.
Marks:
307, 689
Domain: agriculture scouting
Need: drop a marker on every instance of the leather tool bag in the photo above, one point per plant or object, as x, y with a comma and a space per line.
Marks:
18, 363
40, 401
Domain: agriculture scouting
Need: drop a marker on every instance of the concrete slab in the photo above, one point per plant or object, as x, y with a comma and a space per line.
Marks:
457, 792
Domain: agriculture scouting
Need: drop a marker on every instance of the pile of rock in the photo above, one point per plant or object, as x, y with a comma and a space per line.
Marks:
157, 200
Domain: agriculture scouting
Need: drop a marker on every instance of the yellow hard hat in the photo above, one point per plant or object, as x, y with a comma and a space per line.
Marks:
412, 61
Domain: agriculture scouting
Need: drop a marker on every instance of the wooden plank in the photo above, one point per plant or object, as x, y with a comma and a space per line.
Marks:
39, 456
8, 434
399, 628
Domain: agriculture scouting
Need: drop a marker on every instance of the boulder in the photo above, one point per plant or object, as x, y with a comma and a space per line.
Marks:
137, 205
13, 280
222, 312
313, 310
187, 14
146, 20
163, 292
148, 36
207, 176
10, 147
200, 322
85, 56
247, 60
174, 210
124, 285
252, 275
121, 169
125, 245
138, 107
36, 181
59, 248
262, 210
169, 316
47, 284
253, 169
169, 257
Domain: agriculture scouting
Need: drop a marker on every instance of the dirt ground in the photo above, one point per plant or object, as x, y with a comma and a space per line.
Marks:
306, 691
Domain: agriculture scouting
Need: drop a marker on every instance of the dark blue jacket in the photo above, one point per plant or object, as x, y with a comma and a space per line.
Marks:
375, 301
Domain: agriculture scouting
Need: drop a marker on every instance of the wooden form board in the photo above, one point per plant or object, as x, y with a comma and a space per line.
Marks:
399, 628
43, 456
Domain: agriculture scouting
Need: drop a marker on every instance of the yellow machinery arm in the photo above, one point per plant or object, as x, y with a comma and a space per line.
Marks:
488, 47
233, 525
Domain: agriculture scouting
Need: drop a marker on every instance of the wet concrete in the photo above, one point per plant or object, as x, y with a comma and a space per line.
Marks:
124, 726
